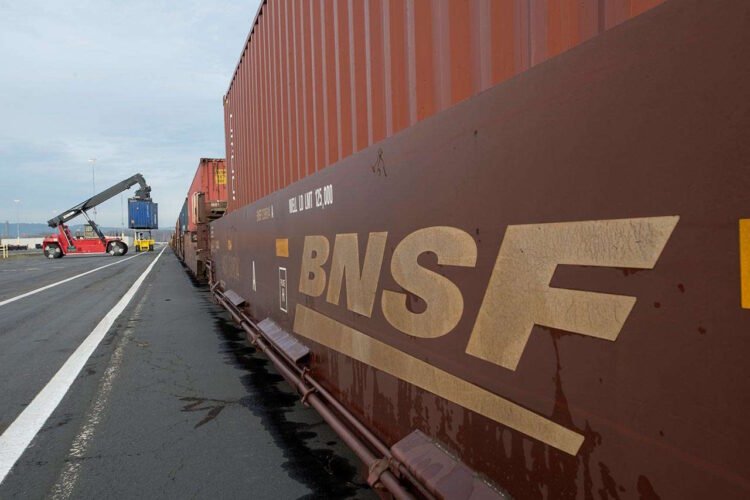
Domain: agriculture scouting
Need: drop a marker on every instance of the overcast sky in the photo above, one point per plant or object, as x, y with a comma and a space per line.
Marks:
135, 84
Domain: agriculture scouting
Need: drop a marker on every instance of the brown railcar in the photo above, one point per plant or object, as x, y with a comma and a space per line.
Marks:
549, 279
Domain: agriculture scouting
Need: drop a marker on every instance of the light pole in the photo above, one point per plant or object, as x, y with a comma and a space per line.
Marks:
18, 223
93, 182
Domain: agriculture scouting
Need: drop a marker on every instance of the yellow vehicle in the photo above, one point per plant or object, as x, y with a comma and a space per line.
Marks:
143, 242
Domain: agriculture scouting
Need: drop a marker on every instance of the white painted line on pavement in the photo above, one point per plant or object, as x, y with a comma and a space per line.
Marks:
17, 437
27, 294
68, 478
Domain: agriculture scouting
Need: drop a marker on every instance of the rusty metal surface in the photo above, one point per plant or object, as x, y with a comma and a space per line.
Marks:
211, 180
194, 250
201, 238
189, 253
626, 160
318, 81
444, 475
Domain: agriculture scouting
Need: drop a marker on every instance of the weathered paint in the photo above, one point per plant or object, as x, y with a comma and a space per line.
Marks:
359, 346
629, 127
190, 253
320, 80
210, 179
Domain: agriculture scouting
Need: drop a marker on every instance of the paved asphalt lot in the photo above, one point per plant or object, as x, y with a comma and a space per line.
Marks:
172, 403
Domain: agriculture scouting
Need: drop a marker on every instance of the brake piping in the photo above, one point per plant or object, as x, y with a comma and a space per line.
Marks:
384, 471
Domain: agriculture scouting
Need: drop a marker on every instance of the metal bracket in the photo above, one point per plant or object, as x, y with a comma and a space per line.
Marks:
234, 298
306, 395
283, 340
376, 470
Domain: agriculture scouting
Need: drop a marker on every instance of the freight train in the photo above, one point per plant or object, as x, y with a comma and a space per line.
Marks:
503, 247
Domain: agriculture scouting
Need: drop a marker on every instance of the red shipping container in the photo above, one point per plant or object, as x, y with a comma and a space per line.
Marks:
320, 80
211, 181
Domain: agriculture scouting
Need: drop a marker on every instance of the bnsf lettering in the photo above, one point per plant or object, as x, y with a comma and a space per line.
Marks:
360, 286
518, 295
445, 304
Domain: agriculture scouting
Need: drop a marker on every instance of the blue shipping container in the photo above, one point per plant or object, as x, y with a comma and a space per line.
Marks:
184, 217
143, 214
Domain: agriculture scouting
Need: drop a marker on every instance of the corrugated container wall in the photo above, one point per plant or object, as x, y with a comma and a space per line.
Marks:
143, 214
320, 80
211, 180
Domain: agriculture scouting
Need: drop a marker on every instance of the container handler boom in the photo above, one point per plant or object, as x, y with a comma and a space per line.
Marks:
59, 245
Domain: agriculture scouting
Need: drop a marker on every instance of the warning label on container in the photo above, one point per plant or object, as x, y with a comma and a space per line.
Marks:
221, 176
264, 213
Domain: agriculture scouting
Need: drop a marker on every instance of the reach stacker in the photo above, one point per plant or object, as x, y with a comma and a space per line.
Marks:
64, 243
